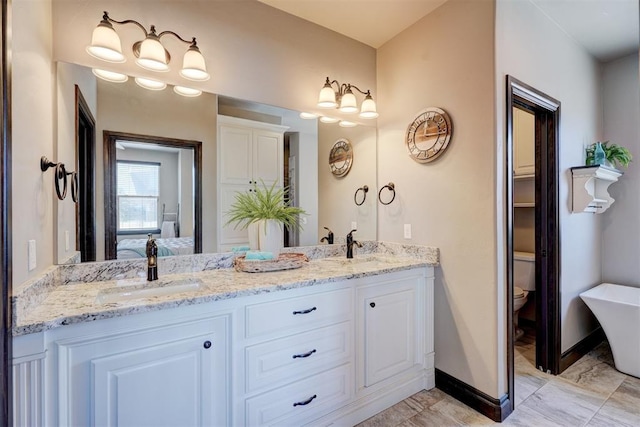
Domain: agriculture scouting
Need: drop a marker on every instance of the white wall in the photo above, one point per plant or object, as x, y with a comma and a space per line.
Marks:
533, 49
621, 230
68, 76
337, 208
33, 135
446, 60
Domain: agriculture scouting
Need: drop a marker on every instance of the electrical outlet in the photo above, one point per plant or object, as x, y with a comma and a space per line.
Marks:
66, 240
354, 225
31, 254
407, 231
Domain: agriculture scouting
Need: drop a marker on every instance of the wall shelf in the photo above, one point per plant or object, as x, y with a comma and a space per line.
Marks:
591, 188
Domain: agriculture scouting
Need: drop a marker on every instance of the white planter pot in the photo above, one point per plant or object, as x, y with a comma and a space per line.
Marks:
270, 236
254, 229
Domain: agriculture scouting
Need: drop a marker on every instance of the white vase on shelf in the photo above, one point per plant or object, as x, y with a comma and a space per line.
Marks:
270, 236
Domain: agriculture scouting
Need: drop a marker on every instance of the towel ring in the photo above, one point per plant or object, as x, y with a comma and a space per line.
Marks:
74, 186
391, 186
60, 174
365, 190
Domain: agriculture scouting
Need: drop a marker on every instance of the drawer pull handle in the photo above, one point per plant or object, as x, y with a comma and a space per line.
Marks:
309, 310
306, 402
295, 356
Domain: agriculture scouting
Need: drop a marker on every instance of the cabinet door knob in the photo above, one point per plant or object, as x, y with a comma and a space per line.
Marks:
207, 344
372, 304
306, 402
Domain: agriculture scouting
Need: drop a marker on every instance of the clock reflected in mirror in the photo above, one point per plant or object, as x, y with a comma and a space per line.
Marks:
428, 135
341, 157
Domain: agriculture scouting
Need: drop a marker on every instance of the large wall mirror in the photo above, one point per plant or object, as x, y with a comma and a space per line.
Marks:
177, 135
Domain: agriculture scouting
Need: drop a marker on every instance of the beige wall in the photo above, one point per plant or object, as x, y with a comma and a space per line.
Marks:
621, 229
446, 60
33, 135
533, 49
337, 209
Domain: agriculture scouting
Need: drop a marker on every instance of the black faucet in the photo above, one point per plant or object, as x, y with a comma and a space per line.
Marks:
350, 243
152, 259
328, 238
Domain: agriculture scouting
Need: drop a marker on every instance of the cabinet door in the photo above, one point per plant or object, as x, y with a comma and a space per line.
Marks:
389, 331
524, 155
236, 155
267, 160
229, 235
166, 376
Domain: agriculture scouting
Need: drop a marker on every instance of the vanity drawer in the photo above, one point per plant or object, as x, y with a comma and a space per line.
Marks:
299, 402
279, 361
298, 314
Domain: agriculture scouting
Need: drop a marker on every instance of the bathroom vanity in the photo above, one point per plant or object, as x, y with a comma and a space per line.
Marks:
335, 341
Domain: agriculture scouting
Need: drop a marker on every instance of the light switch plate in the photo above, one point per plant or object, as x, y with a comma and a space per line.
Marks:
407, 231
31, 254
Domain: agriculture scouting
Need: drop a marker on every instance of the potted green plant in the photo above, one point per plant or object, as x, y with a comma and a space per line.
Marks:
614, 154
269, 209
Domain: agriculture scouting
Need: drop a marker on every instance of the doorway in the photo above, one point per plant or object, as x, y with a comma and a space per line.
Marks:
546, 116
86, 159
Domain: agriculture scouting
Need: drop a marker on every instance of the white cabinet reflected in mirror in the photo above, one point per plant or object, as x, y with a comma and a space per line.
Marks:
126, 109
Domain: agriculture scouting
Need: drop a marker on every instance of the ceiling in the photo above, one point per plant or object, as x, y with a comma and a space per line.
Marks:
608, 29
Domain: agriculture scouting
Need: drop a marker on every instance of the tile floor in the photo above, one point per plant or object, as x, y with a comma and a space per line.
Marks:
590, 393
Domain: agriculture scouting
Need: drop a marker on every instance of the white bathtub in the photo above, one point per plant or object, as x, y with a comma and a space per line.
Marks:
617, 308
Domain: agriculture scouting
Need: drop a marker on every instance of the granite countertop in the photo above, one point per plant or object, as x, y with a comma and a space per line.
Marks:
78, 302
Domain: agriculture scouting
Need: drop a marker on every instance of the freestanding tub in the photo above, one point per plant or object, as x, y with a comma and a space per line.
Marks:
617, 308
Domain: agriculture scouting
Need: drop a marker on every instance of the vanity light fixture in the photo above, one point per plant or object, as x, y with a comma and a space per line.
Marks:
343, 98
325, 119
110, 76
308, 116
187, 91
150, 84
150, 53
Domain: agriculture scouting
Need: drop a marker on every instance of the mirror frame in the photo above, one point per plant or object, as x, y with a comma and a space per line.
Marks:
110, 185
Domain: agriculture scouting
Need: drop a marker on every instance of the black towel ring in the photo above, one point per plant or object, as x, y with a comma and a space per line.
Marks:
60, 175
391, 186
74, 186
365, 190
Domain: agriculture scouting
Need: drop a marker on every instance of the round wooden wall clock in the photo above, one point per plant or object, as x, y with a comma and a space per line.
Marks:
341, 157
428, 135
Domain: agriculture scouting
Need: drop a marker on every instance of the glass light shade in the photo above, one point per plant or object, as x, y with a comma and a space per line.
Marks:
110, 76
368, 108
105, 43
327, 98
187, 91
150, 83
308, 116
348, 103
152, 55
193, 66
347, 124
324, 119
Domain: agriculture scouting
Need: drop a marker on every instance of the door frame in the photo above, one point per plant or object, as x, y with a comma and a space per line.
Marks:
547, 226
110, 185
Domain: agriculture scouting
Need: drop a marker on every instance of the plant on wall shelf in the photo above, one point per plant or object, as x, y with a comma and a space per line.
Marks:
614, 154
264, 203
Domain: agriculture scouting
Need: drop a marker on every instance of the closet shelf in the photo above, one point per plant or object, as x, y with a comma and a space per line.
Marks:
524, 205
591, 188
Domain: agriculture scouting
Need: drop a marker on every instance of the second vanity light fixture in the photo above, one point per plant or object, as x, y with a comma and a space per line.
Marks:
343, 98
150, 53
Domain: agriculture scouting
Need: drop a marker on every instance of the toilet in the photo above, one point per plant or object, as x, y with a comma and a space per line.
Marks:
524, 281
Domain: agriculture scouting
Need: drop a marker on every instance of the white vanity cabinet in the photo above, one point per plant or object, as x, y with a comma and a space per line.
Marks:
149, 369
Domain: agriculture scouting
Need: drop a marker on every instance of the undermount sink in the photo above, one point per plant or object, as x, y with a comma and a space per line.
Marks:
129, 290
358, 260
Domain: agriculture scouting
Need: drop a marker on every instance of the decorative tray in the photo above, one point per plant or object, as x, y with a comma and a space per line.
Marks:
286, 261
